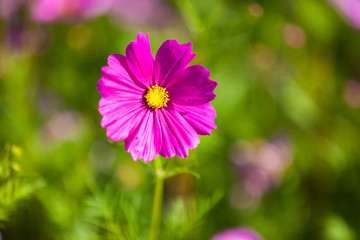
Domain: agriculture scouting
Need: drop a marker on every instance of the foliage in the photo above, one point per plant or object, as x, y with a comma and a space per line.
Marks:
14, 184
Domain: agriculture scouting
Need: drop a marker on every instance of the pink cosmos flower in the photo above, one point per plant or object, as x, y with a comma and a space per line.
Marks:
237, 234
47, 11
158, 106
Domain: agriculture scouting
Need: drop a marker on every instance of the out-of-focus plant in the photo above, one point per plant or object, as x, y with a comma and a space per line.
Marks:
15, 185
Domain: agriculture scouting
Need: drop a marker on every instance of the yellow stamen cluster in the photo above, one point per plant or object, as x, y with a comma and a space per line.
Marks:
156, 97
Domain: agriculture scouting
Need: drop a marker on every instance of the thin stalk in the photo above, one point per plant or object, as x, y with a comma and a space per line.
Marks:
158, 198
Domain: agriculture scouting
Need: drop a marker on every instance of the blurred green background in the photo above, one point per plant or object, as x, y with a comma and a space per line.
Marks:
284, 160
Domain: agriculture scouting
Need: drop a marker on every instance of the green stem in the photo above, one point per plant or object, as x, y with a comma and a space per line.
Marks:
159, 189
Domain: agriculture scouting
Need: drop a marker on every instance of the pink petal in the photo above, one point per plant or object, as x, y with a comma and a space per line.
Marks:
119, 117
172, 57
177, 134
192, 86
120, 66
144, 141
117, 82
45, 10
140, 59
200, 117
241, 233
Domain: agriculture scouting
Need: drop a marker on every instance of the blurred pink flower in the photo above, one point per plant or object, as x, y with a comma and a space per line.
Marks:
237, 234
352, 93
350, 9
47, 11
9, 7
158, 106
138, 12
62, 126
294, 35
259, 167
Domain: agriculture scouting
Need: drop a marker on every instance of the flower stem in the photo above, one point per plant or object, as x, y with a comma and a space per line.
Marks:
157, 205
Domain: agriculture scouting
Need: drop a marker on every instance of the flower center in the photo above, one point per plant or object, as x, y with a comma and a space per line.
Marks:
156, 97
